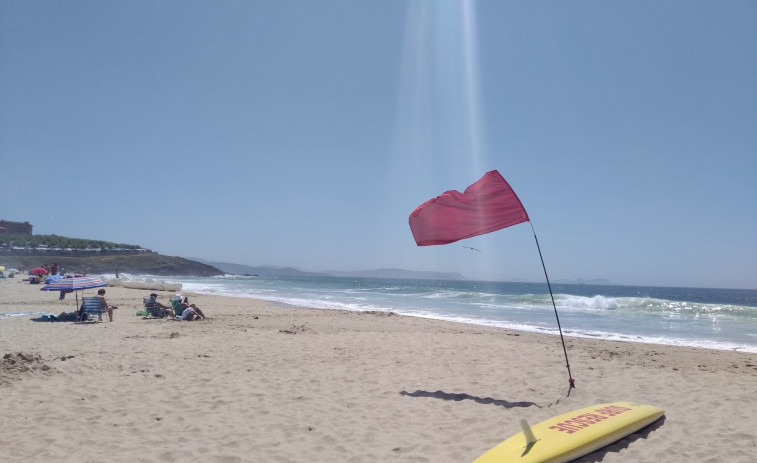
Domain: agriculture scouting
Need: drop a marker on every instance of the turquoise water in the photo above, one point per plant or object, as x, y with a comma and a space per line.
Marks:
712, 318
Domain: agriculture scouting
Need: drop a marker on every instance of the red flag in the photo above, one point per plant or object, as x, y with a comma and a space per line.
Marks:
487, 205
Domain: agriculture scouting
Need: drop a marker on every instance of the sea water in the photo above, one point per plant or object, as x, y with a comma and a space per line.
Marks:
711, 318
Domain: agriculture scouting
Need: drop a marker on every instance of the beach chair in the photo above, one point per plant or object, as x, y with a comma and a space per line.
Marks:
177, 307
90, 310
152, 309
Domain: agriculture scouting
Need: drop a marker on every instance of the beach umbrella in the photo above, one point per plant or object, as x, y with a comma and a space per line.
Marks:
74, 284
38, 271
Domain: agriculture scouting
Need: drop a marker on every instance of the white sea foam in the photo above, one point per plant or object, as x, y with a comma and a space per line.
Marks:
587, 303
622, 317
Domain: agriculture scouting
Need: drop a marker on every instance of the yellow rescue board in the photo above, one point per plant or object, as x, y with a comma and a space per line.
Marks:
574, 434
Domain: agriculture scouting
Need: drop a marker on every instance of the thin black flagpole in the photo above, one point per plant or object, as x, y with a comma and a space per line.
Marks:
571, 381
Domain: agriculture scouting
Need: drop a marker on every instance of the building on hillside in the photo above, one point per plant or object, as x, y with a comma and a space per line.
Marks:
16, 228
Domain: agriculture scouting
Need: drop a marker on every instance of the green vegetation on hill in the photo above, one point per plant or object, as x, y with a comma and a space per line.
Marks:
149, 263
62, 242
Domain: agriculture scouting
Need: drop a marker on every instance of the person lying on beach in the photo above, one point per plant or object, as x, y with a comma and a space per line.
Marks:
191, 311
104, 306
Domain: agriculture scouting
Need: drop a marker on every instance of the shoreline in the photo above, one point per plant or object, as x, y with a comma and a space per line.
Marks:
582, 315
259, 381
472, 323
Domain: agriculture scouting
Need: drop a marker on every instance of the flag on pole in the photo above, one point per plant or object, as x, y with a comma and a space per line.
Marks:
486, 206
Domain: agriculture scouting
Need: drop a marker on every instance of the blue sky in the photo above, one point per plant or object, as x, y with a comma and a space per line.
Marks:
303, 133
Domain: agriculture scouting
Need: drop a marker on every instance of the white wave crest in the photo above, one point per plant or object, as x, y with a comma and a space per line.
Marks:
588, 303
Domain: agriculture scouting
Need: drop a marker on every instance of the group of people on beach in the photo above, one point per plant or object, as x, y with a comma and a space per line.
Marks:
37, 276
188, 311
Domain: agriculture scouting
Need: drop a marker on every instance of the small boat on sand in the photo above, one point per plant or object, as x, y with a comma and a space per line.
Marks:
146, 285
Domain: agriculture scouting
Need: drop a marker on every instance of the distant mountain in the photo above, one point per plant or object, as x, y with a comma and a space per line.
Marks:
241, 269
398, 273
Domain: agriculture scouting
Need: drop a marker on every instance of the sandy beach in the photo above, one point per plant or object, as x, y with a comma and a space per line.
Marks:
257, 382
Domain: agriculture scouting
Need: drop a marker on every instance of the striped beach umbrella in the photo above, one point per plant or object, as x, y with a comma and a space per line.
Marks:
73, 284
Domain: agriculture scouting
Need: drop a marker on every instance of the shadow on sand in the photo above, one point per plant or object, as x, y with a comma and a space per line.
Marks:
617, 446
461, 396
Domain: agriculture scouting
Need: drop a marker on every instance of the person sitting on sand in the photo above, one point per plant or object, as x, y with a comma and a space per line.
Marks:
191, 311
104, 306
167, 308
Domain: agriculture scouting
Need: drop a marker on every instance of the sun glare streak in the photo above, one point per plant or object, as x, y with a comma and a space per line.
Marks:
438, 113
439, 140
411, 125
472, 85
